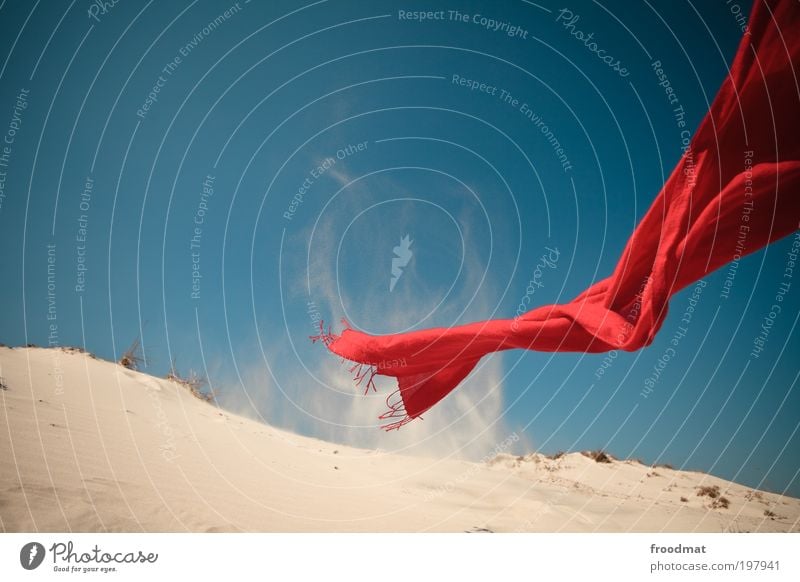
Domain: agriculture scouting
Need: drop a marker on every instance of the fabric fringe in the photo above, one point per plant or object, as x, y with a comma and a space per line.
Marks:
364, 374
396, 410
326, 337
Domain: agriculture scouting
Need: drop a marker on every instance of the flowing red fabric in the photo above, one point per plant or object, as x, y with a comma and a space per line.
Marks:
737, 180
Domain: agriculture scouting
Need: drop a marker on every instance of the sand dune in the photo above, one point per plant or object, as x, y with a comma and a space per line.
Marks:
88, 445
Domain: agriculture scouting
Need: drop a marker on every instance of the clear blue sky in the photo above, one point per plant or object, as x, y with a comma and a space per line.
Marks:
204, 137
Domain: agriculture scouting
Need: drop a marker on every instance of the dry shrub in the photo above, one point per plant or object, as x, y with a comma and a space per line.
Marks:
721, 503
194, 382
752, 494
133, 356
711, 491
598, 456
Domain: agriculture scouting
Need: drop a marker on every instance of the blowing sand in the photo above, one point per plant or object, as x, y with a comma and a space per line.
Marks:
87, 445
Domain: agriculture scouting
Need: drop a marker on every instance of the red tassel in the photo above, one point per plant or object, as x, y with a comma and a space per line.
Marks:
396, 410
365, 374
325, 337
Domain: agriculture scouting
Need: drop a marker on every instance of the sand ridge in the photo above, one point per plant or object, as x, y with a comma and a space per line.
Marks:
88, 445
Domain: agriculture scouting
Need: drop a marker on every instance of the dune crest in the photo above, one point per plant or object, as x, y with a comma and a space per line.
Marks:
91, 446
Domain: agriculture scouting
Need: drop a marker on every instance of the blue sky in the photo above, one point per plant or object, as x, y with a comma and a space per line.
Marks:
252, 171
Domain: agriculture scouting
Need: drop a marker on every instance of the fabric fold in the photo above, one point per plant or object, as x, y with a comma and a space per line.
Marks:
738, 177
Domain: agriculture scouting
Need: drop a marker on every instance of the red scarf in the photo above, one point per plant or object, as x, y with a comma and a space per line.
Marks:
739, 174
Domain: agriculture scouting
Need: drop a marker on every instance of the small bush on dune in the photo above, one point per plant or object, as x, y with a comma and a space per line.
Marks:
194, 382
752, 494
598, 456
721, 503
133, 357
711, 491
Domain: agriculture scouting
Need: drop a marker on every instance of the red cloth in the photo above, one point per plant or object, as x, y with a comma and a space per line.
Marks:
691, 229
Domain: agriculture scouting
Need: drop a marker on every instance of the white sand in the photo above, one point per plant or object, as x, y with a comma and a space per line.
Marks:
106, 448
